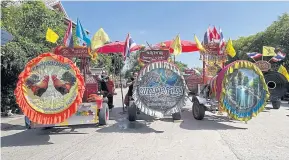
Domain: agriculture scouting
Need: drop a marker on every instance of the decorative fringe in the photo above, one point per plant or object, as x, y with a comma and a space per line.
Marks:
261, 103
42, 118
145, 109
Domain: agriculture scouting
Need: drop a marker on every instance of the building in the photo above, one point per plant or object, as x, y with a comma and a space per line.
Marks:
56, 5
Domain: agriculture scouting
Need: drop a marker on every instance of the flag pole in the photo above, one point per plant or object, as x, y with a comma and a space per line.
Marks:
121, 88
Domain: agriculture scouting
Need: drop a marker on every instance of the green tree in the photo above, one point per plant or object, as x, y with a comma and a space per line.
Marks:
28, 23
276, 35
181, 66
113, 63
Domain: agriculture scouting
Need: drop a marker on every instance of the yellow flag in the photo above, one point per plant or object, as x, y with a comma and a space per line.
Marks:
283, 71
199, 45
268, 51
230, 49
51, 36
99, 39
176, 45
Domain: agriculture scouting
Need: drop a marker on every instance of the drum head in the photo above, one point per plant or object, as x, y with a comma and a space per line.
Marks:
244, 92
160, 89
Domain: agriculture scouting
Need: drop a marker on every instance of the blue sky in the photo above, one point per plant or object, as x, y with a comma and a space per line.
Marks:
159, 21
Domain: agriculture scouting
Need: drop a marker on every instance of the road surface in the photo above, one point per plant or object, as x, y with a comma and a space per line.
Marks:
266, 137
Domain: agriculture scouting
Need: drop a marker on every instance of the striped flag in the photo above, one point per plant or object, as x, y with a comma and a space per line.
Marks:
254, 55
68, 38
222, 43
129, 44
279, 57
208, 37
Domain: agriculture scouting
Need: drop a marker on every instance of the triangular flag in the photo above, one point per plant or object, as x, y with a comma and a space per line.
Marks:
99, 39
199, 45
230, 49
283, 71
176, 45
51, 36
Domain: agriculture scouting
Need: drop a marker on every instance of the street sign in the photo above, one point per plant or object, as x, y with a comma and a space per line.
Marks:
5, 37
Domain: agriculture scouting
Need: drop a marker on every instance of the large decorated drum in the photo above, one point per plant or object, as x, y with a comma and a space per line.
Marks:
241, 90
160, 89
49, 89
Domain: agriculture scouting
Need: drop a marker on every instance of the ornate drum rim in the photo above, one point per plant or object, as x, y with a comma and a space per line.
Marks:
149, 67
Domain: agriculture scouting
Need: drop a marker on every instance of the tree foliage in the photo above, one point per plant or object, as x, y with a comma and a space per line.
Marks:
276, 35
112, 63
181, 66
28, 23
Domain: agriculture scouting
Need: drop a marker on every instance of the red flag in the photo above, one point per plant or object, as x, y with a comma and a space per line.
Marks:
216, 35
211, 35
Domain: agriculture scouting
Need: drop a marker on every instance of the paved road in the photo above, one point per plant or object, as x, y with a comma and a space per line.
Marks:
266, 137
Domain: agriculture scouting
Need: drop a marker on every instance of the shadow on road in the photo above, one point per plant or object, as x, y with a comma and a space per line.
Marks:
7, 127
123, 125
37, 136
210, 122
26, 138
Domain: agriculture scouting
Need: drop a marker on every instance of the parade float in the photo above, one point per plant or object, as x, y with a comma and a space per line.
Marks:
239, 88
276, 82
160, 89
193, 78
53, 91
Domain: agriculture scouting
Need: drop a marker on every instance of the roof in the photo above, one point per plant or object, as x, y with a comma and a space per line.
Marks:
57, 5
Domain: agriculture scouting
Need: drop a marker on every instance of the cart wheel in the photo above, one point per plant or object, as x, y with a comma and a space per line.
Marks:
198, 110
132, 112
177, 116
103, 115
276, 104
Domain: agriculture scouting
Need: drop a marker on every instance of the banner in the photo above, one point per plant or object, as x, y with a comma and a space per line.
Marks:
149, 56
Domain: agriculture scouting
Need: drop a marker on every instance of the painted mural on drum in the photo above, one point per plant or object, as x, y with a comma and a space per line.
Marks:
51, 86
161, 89
244, 89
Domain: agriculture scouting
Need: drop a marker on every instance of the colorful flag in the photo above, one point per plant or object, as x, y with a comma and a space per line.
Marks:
268, 51
222, 43
51, 36
230, 49
254, 55
206, 38
216, 35
99, 39
129, 44
176, 45
199, 45
81, 33
210, 34
68, 38
283, 71
279, 57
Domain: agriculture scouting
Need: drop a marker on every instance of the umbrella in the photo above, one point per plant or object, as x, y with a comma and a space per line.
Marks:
187, 46
115, 47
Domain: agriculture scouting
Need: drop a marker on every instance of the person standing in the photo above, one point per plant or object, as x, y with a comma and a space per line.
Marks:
107, 89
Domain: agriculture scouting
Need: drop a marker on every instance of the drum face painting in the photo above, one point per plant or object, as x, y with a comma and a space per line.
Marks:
160, 89
241, 90
49, 89
244, 90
